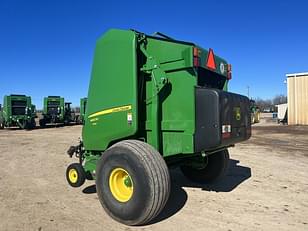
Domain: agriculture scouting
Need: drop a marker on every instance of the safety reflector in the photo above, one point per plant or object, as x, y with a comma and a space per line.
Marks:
229, 72
226, 135
196, 62
196, 54
210, 63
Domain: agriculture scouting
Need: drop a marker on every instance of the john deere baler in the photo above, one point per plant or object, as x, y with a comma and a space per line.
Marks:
155, 102
17, 111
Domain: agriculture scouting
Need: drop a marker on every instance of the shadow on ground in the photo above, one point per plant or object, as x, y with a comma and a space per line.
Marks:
90, 189
236, 175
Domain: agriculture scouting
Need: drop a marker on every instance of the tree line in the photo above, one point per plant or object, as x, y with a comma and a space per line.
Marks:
269, 104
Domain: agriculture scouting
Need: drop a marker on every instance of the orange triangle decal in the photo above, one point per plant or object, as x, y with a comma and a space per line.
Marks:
211, 60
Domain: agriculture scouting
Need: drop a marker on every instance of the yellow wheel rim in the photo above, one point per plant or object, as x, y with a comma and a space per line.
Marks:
73, 175
121, 185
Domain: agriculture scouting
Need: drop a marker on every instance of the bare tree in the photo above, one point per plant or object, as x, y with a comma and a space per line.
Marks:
264, 104
269, 104
279, 99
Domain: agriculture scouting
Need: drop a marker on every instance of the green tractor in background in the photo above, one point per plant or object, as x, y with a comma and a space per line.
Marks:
154, 103
254, 112
17, 111
56, 111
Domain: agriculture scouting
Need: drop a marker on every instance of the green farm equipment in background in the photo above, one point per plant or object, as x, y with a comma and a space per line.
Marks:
154, 103
17, 111
83, 105
55, 111
254, 112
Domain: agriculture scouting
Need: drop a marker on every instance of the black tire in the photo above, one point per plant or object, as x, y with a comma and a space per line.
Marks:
27, 126
33, 124
150, 181
216, 168
30, 124
42, 123
66, 122
78, 174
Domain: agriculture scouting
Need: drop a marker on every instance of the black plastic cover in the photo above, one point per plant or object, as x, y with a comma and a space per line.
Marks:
215, 109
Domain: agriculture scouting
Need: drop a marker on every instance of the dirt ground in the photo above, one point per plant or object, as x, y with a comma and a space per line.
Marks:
266, 187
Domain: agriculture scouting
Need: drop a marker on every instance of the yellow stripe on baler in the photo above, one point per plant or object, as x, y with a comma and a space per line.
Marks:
111, 110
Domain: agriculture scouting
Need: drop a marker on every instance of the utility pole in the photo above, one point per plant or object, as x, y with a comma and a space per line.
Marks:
248, 91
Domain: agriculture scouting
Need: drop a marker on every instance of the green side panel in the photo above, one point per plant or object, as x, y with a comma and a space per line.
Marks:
177, 98
169, 54
111, 112
83, 106
177, 112
6, 110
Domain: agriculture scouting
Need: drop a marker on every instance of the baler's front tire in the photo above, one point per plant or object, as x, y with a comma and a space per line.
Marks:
216, 168
75, 175
132, 182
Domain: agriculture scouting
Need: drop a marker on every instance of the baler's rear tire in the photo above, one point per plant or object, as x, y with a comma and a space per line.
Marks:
132, 182
75, 175
216, 168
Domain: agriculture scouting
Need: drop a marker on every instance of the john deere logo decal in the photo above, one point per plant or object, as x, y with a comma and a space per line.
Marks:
237, 112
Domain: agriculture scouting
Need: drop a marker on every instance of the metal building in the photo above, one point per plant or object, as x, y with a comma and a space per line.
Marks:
297, 98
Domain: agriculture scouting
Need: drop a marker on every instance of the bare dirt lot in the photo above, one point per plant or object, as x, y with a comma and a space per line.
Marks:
266, 187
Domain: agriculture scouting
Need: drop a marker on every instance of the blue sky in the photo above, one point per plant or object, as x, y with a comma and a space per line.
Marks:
46, 47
